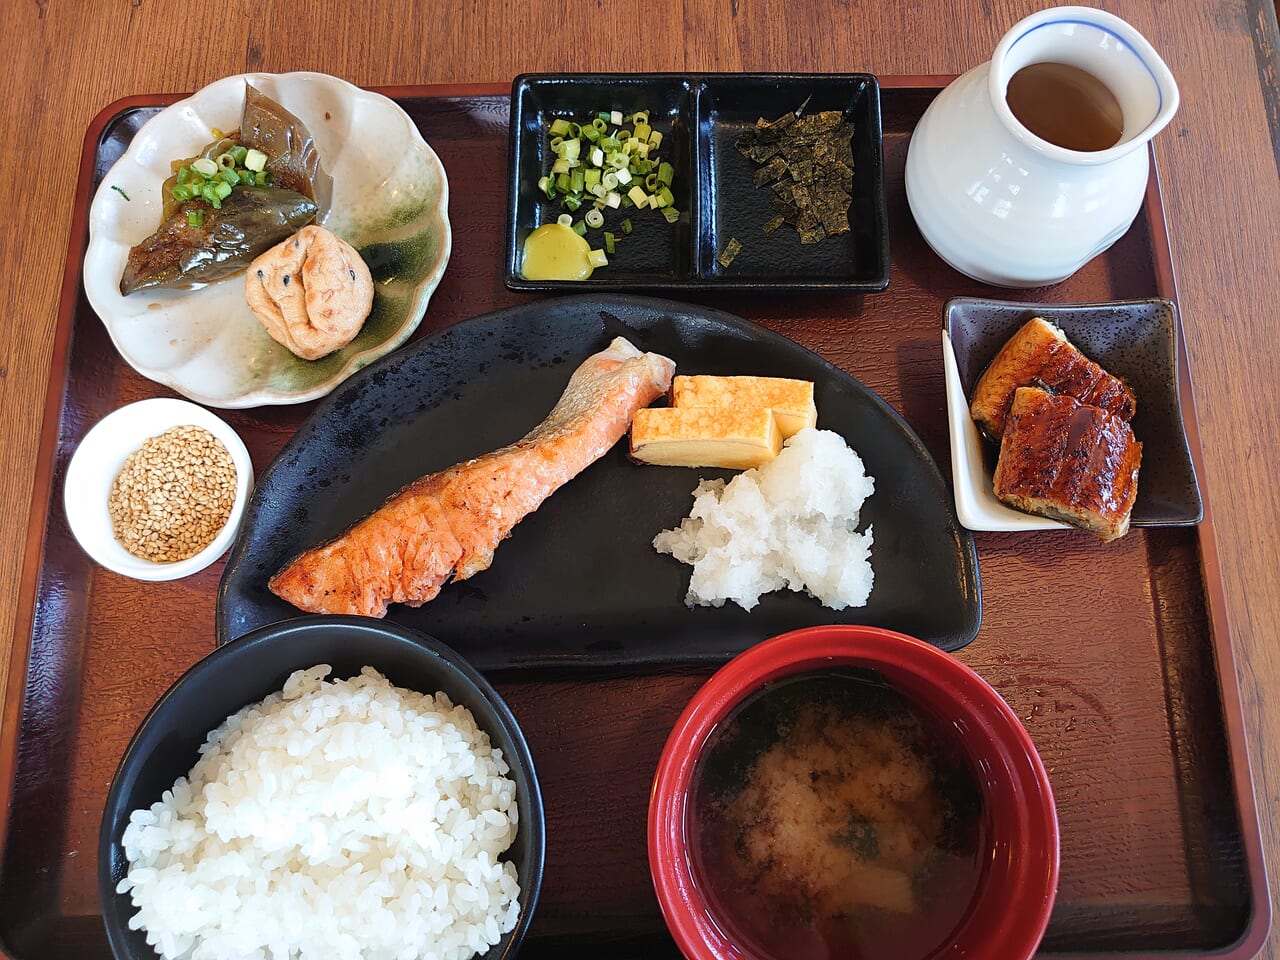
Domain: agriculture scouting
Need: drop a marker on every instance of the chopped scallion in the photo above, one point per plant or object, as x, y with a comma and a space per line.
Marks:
607, 162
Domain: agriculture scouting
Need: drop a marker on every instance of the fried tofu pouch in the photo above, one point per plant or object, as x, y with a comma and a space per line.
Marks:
312, 292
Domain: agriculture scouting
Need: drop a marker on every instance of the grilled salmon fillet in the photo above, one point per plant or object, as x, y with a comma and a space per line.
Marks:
1071, 461
1039, 353
447, 525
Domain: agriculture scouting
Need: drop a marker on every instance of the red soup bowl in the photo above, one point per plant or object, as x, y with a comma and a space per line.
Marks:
1011, 890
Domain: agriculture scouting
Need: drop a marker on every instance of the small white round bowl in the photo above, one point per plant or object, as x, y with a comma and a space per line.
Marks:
100, 456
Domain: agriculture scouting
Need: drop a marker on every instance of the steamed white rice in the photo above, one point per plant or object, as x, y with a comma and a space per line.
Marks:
791, 524
336, 819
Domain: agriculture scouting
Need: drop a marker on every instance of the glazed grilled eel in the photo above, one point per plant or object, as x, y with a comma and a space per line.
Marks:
1040, 354
1068, 460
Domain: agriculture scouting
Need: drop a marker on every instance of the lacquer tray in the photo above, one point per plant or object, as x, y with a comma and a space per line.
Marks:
1117, 658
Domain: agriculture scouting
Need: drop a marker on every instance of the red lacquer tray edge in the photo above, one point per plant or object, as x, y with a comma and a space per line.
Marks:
1255, 933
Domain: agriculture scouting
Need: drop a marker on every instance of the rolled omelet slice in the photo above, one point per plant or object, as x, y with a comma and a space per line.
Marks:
790, 400
734, 438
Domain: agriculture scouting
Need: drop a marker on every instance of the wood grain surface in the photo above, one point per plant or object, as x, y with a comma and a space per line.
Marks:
1217, 159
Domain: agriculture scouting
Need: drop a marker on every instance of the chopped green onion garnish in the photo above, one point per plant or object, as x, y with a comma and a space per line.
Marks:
256, 161
119, 191
204, 166
608, 162
195, 218
598, 258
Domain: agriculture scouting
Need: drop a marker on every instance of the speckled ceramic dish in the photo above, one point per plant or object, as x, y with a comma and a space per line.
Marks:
390, 201
1136, 340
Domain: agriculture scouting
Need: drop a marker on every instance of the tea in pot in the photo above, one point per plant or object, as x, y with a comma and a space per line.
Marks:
1028, 166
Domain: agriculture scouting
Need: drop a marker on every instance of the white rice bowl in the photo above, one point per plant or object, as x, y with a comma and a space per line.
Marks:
789, 524
335, 819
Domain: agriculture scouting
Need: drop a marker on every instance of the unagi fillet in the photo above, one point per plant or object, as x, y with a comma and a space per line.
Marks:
1071, 461
1039, 353
447, 525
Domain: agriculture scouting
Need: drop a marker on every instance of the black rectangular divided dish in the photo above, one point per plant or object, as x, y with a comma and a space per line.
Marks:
701, 117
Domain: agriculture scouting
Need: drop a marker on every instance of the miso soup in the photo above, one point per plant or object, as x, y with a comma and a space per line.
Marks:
833, 818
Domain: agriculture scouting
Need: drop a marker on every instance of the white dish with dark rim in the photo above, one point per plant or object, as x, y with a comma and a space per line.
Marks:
1137, 340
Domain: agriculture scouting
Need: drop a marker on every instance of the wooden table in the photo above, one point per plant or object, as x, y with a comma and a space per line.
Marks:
1218, 161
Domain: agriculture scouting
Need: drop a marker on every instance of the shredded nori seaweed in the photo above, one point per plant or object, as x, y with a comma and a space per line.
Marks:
729, 252
808, 162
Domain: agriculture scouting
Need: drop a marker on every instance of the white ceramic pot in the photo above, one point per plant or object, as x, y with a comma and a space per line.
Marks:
1002, 205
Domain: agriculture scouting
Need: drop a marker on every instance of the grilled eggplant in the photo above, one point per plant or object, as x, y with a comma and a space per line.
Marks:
250, 220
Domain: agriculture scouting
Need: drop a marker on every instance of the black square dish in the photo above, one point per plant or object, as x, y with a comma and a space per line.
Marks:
1136, 340
701, 117
656, 253
734, 208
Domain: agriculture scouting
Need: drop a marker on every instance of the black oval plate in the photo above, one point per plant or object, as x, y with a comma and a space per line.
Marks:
578, 582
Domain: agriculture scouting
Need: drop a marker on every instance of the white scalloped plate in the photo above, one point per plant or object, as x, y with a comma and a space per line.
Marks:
390, 201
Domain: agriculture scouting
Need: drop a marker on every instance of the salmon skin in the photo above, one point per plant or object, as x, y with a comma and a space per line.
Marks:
447, 525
